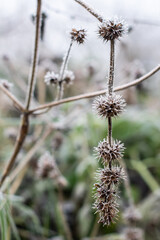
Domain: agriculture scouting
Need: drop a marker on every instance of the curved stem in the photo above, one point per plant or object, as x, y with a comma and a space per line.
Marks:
13, 98
97, 93
23, 130
62, 71
90, 10
19, 142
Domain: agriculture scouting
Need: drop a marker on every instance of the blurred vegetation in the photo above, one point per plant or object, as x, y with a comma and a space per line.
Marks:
36, 213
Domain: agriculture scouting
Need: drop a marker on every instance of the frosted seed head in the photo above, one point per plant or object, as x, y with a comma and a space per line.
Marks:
106, 204
112, 29
46, 165
68, 77
109, 105
78, 35
111, 176
132, 233
51, 78
132, 215
108, 153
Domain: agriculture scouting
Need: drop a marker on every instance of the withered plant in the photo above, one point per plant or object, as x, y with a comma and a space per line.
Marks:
107, 105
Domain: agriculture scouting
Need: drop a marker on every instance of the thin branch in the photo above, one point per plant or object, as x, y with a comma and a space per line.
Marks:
97, 93
20, 139
35, 55
127, 183
13, 98
30, 154
23, 130
90, 10
62, 71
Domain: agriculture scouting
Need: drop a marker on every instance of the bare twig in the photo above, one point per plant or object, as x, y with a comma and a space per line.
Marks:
66, 227
35, 56
97, 93
62, 71
127, 183
21, 137
23, 130
90, 10
30, 154
13, 98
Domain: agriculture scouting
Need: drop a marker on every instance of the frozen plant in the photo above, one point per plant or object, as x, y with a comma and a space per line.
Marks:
65, 76
109, 150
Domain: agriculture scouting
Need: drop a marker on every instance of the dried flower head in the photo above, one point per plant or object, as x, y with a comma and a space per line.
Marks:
46, 166
68, 77
112, 29
132, 215
108, 152
6, 84
78, 35
106, 204
111, 176
109, 105
51, 78
133, 234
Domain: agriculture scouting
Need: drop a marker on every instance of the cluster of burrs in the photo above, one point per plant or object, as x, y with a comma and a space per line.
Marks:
110, 176
109, 151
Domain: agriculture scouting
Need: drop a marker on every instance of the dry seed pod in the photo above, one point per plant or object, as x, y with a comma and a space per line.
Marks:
68, 77
46, 165
133, 234
8, 85
108, 152
132, 215
51, 78
111, 176
106, 204
109, 105
112, 29
78, 35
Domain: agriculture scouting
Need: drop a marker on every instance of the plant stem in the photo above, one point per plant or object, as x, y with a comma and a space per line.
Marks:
97, 93
19, 142
23, 130
35, 56
63, 217
127, 184
90, 10
62, 71
110, 136
13, 98
111, 70
110, 92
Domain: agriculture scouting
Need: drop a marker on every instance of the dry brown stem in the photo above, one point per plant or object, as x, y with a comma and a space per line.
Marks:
12, 98
97, 93
23, 130
90, 10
